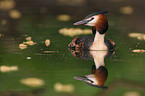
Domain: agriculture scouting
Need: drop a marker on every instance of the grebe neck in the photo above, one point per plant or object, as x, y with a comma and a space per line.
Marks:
98, 43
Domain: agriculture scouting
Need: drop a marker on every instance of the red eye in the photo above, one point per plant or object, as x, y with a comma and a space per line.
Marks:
92, 18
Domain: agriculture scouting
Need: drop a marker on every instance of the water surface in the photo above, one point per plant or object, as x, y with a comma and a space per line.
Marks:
55, 65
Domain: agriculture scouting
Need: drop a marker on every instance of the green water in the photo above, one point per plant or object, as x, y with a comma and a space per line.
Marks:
125, 68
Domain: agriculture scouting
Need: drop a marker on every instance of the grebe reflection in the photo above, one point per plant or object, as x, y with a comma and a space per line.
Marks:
99, 73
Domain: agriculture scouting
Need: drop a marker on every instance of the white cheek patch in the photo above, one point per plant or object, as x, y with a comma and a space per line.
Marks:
92, 78
93, 22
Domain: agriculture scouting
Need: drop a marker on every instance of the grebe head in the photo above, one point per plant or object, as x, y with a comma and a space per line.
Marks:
97, 20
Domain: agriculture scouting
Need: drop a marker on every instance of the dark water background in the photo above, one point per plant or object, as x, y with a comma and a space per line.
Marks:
126, 71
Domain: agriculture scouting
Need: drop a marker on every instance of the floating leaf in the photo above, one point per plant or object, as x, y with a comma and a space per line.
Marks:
64, 88
28, 38
132, 93
15, 14
135, 34
139, 36
138, 50
7, 4
30, 43
74, 31
22, 46
47, 42
32, 82
126, 10
8, 68
63, 17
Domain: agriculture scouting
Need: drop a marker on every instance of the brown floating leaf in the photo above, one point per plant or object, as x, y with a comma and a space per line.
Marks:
138, 50
8, 68
32, 82
47, 42
64, 88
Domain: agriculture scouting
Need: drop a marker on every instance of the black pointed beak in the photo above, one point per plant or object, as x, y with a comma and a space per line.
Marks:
79, 77
81, 22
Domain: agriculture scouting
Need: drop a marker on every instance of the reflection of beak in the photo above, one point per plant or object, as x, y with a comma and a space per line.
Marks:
83, 78
81, 22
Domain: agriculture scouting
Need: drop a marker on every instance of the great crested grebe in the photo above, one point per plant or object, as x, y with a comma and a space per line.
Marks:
99, 25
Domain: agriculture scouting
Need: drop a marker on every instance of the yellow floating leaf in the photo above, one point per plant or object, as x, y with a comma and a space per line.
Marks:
135, 34
63, 17
28, 38
32, 82
74, 31
64, 88
58, 87
22, 46
15, 14
8, 68
139, 36
132, 93
30, 42
126, 10
47, 42
86, 31
7, 4
138, 50
144, 37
